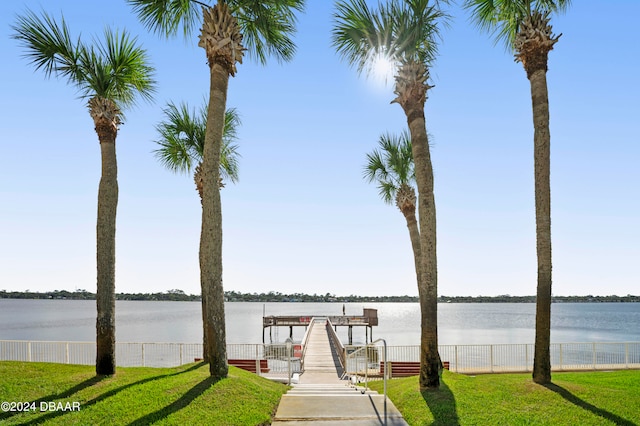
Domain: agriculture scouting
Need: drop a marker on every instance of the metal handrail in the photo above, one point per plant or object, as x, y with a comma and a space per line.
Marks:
338, 344
303, 342
366, 370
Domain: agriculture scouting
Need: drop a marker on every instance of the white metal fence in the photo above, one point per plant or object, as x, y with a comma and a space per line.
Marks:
283, 359
84, 353
471, 359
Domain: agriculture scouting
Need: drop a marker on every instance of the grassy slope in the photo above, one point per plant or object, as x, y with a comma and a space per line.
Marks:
138, 396
186, 395
585, 398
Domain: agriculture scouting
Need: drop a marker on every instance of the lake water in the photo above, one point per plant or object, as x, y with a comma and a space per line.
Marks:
399, 323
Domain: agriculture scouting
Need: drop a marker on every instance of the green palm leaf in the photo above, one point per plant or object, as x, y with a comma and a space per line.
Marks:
181, 141
49, 45
168, 17
116, 69
267, 26
391, 165
398, 31
502, 18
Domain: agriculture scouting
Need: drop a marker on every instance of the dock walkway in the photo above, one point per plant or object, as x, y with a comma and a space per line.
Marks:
321, 397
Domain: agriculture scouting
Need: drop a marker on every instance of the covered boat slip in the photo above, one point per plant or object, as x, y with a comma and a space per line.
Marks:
368, 319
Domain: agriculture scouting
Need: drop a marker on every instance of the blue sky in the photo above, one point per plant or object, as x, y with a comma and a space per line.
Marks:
302, 219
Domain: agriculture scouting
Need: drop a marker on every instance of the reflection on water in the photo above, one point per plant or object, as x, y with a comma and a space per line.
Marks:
399, 323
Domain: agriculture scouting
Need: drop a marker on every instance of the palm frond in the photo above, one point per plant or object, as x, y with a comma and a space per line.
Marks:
396, 31
375, 168
417, 28
117, 69
168, 17
49, 45
181, 140
361, 34
173, 154
229, 155
267, 27
232, 123
391, 165
503, 18
229, 161
387, 191
399, 156
128, 64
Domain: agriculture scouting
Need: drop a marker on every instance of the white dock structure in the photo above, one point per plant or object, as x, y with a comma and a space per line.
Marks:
322, 396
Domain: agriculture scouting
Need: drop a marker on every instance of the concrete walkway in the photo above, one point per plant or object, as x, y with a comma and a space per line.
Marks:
321, 398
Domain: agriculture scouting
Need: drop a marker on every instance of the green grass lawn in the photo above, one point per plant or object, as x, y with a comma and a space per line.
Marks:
186, 395
136, 396
585, 398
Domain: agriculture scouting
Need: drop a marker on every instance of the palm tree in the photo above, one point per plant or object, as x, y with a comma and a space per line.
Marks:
111, 76
229, 28
182, 143
524, 26
405, 32
391, 167
181, 148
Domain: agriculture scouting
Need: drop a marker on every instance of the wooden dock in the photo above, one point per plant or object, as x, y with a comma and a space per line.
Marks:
369, 319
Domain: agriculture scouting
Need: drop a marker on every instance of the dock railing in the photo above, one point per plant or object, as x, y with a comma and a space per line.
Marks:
467, 359
337, 344
365, 361
303, 343
283, 359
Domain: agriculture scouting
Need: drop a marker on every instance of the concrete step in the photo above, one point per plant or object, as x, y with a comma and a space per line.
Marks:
328, 390
335, 392
345, 384
351, 409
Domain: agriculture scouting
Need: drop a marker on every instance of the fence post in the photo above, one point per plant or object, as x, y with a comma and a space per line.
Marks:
29, 351
288, 348
456, 357
561, 360
594, 355
491, 357
66, 353
142, 346
258, 372
181, 345
626, 355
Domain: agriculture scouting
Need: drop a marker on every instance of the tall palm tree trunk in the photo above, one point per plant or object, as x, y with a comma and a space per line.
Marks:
211, 235
411, 88
106, 250
542, 140
414, 235
222, 42
427, 285
533, 42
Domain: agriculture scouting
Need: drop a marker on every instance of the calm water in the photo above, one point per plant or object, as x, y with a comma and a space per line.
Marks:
399, 323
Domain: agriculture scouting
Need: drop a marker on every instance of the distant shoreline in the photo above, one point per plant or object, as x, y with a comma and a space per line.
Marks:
233, 296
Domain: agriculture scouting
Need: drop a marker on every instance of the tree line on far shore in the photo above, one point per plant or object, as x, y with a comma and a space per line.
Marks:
234, 296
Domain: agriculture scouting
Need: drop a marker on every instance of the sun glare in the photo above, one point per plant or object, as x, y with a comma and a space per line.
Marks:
382, 70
